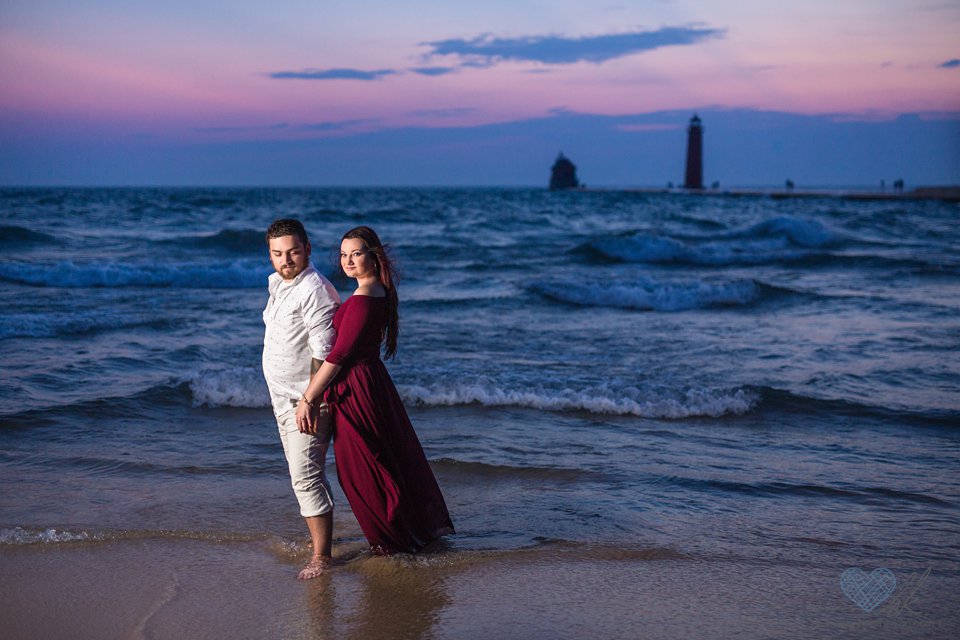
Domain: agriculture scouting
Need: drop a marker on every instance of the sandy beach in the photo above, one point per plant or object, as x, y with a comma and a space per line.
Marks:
176, 588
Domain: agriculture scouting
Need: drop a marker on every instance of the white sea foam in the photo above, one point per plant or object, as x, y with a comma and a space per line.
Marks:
20, 536
236, 274
244, 387
234, 387
648, 403
653, 295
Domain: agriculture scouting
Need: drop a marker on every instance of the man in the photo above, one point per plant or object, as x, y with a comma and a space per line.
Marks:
299, 335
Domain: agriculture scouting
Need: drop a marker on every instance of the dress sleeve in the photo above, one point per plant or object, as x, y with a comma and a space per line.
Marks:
356, 314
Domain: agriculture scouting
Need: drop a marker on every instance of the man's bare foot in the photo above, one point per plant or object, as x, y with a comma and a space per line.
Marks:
315, 568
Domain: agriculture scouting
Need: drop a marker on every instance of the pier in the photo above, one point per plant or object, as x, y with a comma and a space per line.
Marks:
944, 194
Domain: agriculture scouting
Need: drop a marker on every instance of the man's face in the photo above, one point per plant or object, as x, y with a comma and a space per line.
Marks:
289, 256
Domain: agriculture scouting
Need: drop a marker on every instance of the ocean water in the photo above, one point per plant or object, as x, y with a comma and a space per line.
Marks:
756, 381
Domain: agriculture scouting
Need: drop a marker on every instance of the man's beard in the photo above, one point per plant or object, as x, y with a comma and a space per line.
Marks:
290, 271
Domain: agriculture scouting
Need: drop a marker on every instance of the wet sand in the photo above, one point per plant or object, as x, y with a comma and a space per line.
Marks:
175, 588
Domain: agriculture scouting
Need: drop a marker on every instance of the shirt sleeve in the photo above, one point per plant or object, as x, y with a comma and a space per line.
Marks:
318, 309
355, 316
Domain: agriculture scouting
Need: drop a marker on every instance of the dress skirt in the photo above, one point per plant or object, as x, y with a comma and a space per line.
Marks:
380, 462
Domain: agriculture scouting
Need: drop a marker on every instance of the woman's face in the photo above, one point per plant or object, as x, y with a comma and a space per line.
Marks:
355, 259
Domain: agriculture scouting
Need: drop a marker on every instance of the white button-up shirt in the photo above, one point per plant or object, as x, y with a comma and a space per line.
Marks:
299, 326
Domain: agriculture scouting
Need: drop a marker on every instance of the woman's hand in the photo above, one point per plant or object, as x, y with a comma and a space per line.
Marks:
306, 418
310, 415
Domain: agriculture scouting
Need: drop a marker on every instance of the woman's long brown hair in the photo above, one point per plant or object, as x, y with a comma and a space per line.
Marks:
387, 275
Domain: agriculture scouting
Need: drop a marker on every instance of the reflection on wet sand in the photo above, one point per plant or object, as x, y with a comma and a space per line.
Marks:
375, 597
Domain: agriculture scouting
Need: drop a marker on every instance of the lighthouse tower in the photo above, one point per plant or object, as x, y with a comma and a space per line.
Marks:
694, 176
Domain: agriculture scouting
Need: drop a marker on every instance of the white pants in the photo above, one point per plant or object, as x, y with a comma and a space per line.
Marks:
306, 457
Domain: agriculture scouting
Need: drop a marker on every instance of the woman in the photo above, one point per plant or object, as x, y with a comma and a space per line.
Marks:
380, 463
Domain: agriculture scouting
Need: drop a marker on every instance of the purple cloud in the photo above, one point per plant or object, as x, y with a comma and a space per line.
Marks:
332, 74
950, 64
434, 71
560, 50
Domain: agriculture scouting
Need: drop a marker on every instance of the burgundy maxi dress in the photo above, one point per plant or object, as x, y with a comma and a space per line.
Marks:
380, 463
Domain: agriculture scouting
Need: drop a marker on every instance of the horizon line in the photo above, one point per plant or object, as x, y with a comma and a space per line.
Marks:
596, 187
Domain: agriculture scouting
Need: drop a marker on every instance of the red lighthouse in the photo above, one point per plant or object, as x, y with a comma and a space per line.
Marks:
694, 176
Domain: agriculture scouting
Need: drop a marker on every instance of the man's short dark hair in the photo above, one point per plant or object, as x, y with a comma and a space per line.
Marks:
287, 227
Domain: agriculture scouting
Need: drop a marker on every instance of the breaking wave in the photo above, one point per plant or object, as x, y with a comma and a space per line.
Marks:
12, 236
236, 274
803, 233
780, 239
34, 325
602, 400
235, 387
226, 240
646, 294
245, 387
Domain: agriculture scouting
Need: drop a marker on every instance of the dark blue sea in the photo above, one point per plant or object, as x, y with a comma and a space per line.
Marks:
766, 385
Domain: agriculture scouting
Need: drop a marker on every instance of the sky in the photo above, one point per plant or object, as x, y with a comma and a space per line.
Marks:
448, 93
